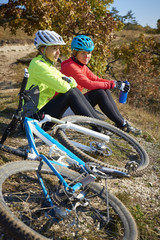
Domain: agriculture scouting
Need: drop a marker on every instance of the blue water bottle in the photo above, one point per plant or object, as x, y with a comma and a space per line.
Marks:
123, 95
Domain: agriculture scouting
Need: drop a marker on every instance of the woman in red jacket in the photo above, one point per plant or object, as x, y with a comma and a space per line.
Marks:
76, 67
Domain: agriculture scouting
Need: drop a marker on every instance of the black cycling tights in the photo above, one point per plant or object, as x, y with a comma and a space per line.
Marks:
107, 105
73, 99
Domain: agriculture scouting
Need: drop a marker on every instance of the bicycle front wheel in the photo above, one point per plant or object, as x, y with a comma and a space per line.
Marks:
120, 152
25, 214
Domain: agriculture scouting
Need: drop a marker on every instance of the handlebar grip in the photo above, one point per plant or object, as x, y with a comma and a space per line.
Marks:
11, 150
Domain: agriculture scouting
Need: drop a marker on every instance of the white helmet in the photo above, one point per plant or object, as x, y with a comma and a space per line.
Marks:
47, 38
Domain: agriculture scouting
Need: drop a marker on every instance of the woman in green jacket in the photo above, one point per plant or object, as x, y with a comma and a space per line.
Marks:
45, 80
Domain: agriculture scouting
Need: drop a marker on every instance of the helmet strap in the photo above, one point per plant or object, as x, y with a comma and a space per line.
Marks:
44, 52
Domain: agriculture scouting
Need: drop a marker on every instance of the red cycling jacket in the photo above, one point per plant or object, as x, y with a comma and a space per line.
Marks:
84, 77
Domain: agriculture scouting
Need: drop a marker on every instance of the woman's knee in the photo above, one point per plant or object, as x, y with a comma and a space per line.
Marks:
101, 93
71, 92
108, 92
73, 95
95, 93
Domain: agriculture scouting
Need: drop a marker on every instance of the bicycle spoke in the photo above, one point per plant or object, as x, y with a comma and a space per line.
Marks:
69, 218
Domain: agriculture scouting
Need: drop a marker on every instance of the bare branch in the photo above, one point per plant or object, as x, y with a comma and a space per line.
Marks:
9, 19
5, 20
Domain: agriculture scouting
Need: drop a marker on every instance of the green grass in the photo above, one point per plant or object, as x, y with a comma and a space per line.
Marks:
147, 222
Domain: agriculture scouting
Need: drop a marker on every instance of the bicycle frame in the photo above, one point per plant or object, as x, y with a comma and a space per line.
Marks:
68, 125
32, 127
72, 126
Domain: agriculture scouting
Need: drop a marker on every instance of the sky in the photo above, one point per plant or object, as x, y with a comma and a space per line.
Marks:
146, 12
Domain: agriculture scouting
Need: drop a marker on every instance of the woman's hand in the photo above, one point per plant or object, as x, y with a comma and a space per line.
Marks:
122, 86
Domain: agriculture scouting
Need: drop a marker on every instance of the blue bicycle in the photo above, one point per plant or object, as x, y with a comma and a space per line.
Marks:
53, 194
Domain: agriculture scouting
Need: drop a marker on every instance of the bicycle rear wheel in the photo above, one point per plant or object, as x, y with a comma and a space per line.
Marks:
25, 214
120, 152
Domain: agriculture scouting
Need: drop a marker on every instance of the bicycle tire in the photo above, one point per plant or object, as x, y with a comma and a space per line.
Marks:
124, 147
14, 216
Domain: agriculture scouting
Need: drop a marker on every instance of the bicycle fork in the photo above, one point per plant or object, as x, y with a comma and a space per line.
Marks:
76, 196
73, 193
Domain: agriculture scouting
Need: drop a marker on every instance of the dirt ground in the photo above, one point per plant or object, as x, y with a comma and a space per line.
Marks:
8, 55
140, 194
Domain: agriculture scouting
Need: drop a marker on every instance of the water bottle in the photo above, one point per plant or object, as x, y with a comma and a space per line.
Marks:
123, 95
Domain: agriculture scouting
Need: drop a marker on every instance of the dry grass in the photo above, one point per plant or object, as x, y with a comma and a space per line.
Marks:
139, 117
127, 36
7, 36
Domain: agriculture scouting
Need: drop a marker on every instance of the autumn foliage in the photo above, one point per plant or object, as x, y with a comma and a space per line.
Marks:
140, 65
67, 17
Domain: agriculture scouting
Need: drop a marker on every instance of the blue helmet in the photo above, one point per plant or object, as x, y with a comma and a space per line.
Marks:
82, 42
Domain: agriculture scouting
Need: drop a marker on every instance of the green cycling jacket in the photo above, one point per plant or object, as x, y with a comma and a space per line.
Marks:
44, 81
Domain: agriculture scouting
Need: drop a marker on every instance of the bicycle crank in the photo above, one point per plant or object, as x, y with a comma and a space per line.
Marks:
100, 148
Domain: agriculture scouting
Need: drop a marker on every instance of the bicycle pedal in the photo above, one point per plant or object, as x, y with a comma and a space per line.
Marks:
131, 166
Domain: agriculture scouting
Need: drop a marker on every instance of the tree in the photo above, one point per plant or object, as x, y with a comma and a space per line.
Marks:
130, 18
67, 17
115, 14
158, 25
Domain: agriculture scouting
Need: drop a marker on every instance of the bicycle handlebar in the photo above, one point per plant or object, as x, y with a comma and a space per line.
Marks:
23, 86
24, 82
48, 118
